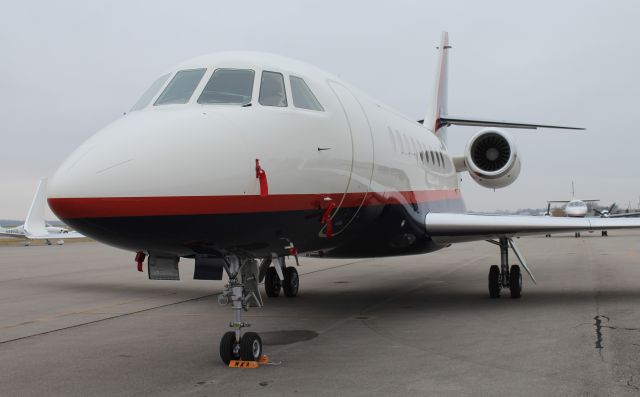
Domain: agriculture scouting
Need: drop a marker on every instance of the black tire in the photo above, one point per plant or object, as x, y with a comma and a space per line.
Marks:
250, 347
494, 282
272, 283
515, 282
291, 282
228, 350
605, 233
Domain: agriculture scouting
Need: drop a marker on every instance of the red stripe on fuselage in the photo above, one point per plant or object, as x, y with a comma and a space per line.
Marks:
105, 207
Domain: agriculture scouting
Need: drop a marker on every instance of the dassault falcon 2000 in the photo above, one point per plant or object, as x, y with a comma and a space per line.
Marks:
241, 159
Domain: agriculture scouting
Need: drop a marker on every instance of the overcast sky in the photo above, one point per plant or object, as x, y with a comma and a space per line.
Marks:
67, 68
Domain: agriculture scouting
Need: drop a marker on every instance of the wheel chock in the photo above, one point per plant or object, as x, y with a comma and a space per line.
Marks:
264, 360
243, 364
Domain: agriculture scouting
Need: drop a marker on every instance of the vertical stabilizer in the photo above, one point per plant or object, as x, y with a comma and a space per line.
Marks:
439, 101
34, 224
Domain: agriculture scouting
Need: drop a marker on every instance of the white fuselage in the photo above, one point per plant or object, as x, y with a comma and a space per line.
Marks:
576, 209
196, 159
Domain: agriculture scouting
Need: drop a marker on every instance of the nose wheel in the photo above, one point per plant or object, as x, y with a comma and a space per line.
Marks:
248, 349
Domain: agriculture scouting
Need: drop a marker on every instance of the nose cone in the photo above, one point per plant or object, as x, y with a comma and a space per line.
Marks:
148, 155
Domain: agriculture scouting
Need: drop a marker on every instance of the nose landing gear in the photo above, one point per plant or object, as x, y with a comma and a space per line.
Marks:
504, 276
242, 291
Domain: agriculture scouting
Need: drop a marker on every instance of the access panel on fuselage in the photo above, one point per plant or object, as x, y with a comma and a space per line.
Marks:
362, 158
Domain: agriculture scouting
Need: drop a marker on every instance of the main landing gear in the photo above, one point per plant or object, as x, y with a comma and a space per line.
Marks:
242, 291
282, 277
504, 276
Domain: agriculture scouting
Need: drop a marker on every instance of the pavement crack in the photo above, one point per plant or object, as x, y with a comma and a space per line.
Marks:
630, 383
598, 328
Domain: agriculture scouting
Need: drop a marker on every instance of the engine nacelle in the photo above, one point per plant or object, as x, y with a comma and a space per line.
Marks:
491, 159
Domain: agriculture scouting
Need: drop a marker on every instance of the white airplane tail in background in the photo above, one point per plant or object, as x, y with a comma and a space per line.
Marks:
35, 223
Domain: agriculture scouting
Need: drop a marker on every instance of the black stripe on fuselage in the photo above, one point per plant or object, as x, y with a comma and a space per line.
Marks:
376, 230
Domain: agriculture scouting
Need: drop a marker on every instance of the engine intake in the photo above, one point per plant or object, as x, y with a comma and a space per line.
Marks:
491, 159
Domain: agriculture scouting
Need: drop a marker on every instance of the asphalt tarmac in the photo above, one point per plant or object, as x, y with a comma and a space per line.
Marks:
80, 320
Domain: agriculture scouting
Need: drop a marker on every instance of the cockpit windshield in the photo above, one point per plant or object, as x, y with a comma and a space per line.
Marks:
234, 86
148, 95
181, 87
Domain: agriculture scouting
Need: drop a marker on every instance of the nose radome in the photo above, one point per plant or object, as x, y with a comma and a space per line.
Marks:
186, 153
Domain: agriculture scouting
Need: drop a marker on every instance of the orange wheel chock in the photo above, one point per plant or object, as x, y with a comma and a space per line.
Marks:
249, 364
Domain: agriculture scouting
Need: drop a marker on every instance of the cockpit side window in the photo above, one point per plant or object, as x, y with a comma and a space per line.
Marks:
229, 86
303, 96
272, 91
181, 87
148, 95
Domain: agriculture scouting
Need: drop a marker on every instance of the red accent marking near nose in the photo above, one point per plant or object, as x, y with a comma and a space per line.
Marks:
140, 259
326, 219
262, 177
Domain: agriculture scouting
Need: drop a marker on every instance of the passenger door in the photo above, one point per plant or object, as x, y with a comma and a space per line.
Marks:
361, 170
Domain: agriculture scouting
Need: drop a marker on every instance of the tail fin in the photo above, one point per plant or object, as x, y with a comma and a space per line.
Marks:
35, 224
437, 118
439, 102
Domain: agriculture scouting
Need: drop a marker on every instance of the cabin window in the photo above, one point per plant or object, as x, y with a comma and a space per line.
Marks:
233, 86
148, 95
181, 87
303, 96
272, 91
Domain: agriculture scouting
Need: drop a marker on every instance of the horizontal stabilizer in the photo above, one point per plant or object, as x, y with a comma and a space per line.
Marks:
467, 121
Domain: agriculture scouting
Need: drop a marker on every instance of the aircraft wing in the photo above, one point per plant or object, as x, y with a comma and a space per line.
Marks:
624, 215
558, 201
55, 236
445, 228
7, 234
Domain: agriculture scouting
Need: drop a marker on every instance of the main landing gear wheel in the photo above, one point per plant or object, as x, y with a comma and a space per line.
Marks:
250, 347
272, 284
577, 234
291, 282
515, 282
229, 348
494, 282
605, 233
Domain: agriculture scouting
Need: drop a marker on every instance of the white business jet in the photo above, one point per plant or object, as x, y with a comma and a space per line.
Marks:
240, 159
574, 208
34, 227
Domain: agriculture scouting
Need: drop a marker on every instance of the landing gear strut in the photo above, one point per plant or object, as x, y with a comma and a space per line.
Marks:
504, 276
242, 292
